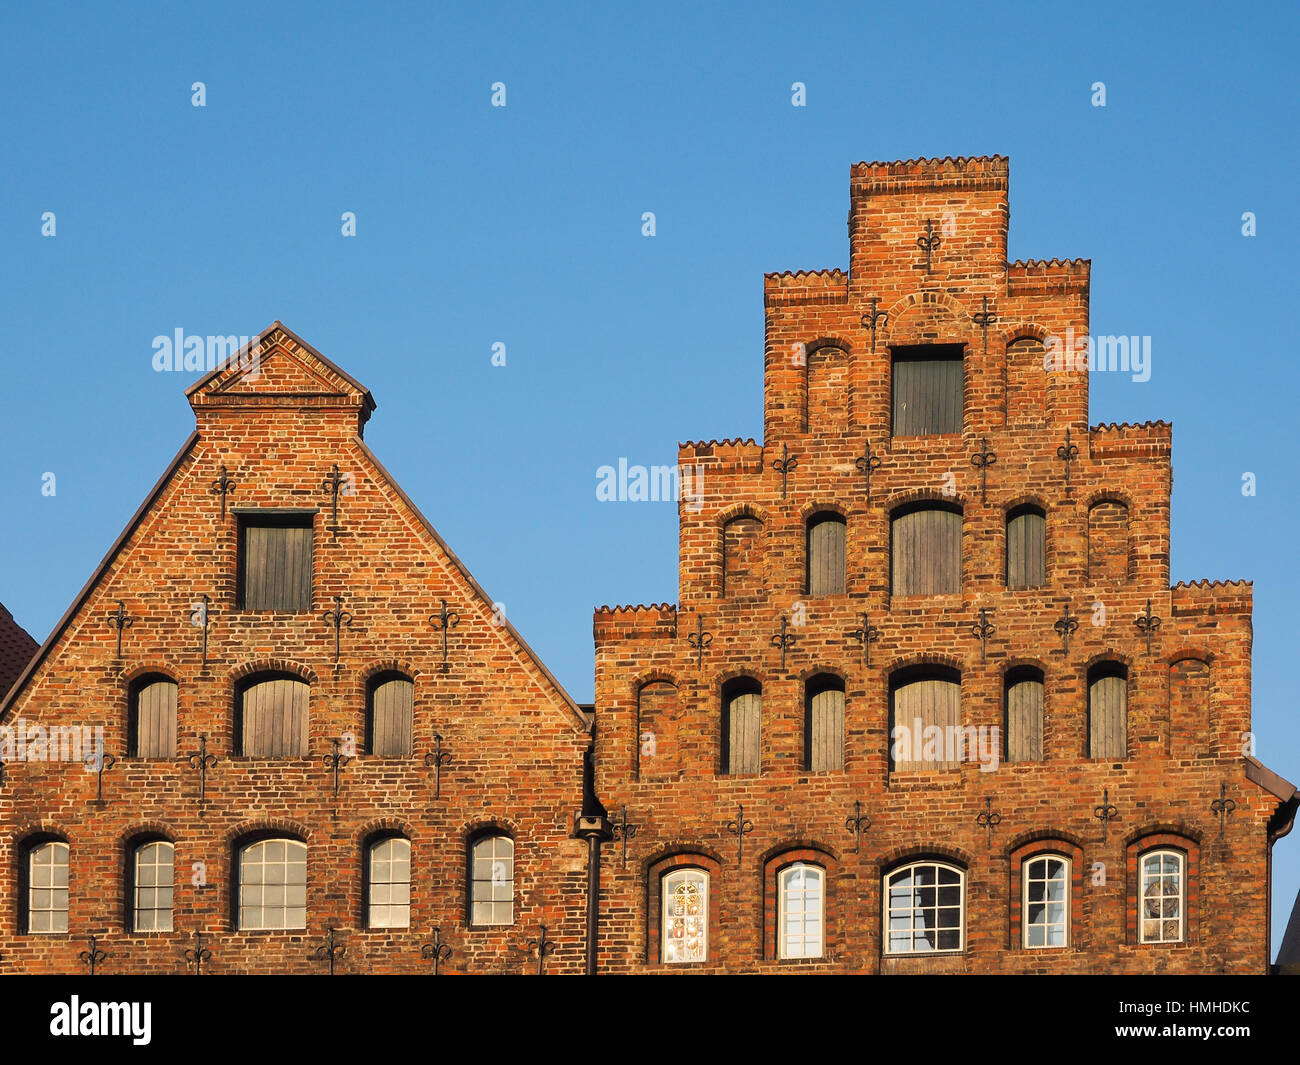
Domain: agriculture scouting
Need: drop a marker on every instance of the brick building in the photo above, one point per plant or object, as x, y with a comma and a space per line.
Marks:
925, 636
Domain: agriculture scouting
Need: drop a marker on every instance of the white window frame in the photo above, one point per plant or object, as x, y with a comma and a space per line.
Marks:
1181, 872
809, 872
668, 883
1026, 868
912, 909
150, 893
395, 906
293, 847
61, 858
500, 869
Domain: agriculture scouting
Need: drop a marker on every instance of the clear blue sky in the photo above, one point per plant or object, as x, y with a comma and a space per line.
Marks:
522, 225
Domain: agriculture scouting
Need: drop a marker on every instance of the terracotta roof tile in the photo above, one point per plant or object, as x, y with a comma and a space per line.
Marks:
16, 649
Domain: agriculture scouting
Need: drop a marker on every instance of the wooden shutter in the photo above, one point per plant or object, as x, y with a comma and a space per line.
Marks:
921, 704
826, 556
1025, 721
1108, 541
741, 545
1189, 709
1026, 550
927, 394
744, 723
392, 717
277, 568
926, 552
274, 719
155, 720
1108, 718
826, 730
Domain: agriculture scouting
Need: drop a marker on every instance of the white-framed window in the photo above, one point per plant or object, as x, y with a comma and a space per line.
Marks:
925, 908
492, 885
47, 887
1046, 901
1162, 891
152, 875
273, 885
389, 876
686, 916
801, 909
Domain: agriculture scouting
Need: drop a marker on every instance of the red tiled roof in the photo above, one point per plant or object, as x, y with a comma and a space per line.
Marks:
16, 650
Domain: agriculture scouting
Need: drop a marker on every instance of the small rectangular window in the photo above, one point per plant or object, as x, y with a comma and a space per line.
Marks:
275, 559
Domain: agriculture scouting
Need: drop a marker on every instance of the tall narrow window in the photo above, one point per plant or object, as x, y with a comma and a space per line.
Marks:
273, 717
392, 715
275, 562
742, 717
925, 550
925, 730
1108, 711
1162, 892
388, 878
826, 554
273, 885
47, 887
686, 916
151, 887
1046, 905
824, 724
927, 390
1024, 709
151, 731
1026, 548
492, 881
742, 543
802, 911
924, 909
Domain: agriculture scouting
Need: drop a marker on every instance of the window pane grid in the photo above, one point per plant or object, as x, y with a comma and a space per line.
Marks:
686, 916
152, 905
47, 893
273, 885
924, 909
1161, 898
801, 912
492, 885
390, 884
1046, 902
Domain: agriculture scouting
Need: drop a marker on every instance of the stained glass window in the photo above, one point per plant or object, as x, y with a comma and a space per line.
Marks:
1161, 901
802, 897
686, 916
1046, 901
924, 909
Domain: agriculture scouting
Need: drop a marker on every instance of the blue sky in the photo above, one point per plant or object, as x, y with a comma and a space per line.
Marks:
521, 225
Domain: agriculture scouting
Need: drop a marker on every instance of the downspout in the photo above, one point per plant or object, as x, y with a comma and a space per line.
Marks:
1281, 823
592, 824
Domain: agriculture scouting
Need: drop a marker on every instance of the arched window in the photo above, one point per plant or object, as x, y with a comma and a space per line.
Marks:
1162, 893
686, 916
273, 716
390, 716
824, 723
1024, 714
388, 882
925, 726
151, 730
927, 390
742, 721
272, 880
801, 908
1046, 904
825, 554
1108, 711
1026, 548
1108, 551
46, 902
925, 908
152, 877
925, 550
742, 545
492, 880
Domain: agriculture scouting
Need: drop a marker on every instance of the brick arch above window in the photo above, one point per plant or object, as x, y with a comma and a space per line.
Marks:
913, 318
652, 676
252, 667
726, 676
38, 831
380, 827
824, 342
741, 510
148, 667
896, 857
1010, 332
253, 829
378, 668
920, 497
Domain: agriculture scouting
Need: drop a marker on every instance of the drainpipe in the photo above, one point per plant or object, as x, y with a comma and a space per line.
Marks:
591, 823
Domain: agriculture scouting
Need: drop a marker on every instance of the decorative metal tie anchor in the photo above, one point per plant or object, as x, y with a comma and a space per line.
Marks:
335, 761
984, 319
784, 465
223, 486
867, 635
699, 640
1222, 806
1147, 624
544, 948
1067, 452
332, 484
443, 621
987, 819
199, 618
857, 824
928, 243
1105, 813
785, 641
120, 620
624, 830
1066, 625
198, 955
874, 318
435, 950
340, 619
982, 460
740, 828
101, 763
866, 462
435, 760
92, 957
330, 952
203, 762
982, 630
